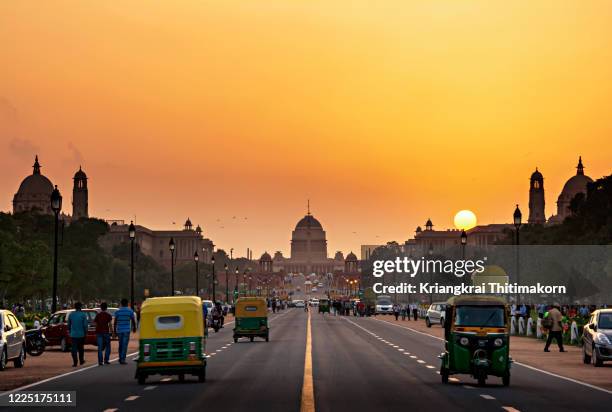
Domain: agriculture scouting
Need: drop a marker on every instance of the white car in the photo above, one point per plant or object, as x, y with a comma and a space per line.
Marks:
435, 314
299, 303
384, 305
314, 289
314, 302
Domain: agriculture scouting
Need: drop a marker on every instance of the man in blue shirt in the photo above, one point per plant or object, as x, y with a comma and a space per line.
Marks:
77, 325
125, 321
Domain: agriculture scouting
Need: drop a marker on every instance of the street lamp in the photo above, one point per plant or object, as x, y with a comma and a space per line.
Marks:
196, 259
517, 224
236, 272
212, 260
172, 247
463, 243
430, 253
226, 283
132, 233
56, 206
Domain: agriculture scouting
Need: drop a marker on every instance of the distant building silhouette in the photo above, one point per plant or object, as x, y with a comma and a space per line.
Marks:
537, 215
80, 197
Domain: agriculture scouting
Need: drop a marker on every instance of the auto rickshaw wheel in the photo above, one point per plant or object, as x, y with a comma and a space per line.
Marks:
252, 338
267, 338
142, 378
235, 340
181, 377
202, 376
482, 378
506, 379
444, 373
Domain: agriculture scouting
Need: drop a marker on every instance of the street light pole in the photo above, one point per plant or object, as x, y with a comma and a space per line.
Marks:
236, 285
227, 283
463, 243
517, 224
213, 279
196, 259
172, 247
56, 206
430, 252
132, 233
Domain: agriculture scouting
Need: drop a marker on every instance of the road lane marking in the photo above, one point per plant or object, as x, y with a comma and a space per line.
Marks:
510, 409
150, 388
452, 379
430, 367
468, 387
166, 379
131, 398
485, 396
308, 401
21, 388
420, 361
413, 357
111, 410
400, 349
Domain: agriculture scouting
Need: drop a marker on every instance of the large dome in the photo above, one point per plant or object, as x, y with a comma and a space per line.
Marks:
36, 185
576, 184
308, 222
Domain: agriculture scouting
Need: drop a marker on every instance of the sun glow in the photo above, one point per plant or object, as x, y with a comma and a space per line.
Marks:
465, 219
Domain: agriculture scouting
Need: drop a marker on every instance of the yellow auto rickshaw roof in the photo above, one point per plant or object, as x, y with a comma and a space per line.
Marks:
260, 303
171, 304
476, 300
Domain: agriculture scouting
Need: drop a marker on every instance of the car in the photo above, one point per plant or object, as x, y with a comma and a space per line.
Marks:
597, 338
299, 303
314, 302
56, 329
435, 314
314, 289
320, 284
12, 340
383, 305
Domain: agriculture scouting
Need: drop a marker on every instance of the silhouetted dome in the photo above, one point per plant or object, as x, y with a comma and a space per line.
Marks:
537, 175
265, 257
418, 229
576, 184
199, 229
351, 257
188, 222
308, 222
36, 184
80, 174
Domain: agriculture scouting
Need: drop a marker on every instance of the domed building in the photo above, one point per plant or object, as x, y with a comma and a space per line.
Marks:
308, 241
34, 193
576, 184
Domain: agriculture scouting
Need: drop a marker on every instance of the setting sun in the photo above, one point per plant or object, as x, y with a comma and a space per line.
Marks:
465, 219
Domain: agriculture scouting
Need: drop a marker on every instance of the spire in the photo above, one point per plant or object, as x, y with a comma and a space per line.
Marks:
308, 207
580, 167
36, 166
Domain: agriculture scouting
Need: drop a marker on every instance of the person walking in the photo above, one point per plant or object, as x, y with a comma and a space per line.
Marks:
556, 329
415, 311
396, 311
125, 320
103, 321
77, 325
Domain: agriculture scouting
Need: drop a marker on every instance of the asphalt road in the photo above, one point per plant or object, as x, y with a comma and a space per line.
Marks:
358, 364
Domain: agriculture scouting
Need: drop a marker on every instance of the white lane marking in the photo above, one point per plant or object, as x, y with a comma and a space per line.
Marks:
510, 409
485, 396
395, 346
131, 398
212, 354
21, 388
420, 361
150, 388
111, 410
166, 379
588, 385
400, 349
452, 379
430, 367
468, 387
413, 357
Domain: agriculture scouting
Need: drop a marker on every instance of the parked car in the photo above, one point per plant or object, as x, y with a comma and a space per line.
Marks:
383, 305
435, 314
299, 303
57, 333
12, 340
597, 338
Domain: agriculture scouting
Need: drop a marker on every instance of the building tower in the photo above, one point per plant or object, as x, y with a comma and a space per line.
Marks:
536, 199
80, 197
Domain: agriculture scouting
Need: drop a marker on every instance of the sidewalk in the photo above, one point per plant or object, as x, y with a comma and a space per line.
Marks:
530, 351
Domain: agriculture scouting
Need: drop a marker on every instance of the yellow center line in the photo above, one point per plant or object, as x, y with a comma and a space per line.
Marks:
308, 403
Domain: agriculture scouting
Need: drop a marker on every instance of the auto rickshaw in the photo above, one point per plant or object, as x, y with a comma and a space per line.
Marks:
323, 305
172, 338
477, 338
251, 319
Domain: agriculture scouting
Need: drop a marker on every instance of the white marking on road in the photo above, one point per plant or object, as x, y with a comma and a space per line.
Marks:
131, 398
413, 357
150, 388
452, 379
60, 376
166, 379
400, 349
395, 346
510, 409
430, 367
111, 410
212, 354
420, 361
485, 396
468, 387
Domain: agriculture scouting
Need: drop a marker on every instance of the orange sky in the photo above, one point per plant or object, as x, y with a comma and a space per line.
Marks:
382, 113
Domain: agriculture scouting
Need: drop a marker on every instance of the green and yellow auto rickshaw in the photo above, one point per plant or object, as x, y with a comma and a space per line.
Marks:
324, 305
251, 319
477, 338
172, 338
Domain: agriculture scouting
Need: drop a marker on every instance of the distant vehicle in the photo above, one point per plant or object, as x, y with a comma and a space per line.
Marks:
384, 305
12, 340
299, 303
435, 314
57, 333
314, 302
298, 288
320, 284
314, 289
209, 306
597, 338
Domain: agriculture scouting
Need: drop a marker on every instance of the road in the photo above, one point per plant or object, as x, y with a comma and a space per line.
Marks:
358, 364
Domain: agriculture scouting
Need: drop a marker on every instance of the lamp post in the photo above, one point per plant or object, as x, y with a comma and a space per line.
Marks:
236, 272
132, 233
517, 224
463, 243
172, 247
212, 260
244, 285
56, 206
226, 283
250, 283
196, 259
430, 253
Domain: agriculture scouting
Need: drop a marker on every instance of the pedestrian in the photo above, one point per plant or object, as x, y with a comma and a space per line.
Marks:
556, 328
125, 320
77, 325
103, 321
415, 312
396, 311
403, 311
